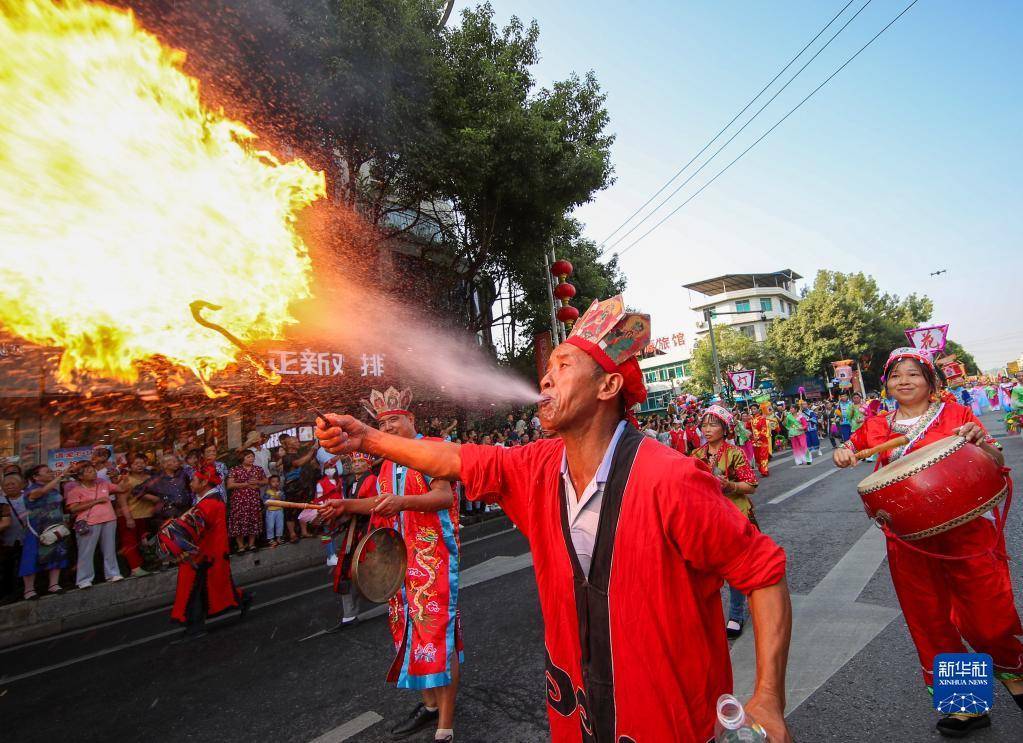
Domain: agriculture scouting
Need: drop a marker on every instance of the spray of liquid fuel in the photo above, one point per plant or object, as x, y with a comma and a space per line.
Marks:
417, 351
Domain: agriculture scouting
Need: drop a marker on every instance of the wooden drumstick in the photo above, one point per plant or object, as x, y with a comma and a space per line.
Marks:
289, 504
881, 448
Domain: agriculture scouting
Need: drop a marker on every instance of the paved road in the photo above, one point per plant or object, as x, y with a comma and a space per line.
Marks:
853, 670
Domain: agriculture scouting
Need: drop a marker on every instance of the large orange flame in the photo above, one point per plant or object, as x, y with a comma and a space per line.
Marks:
123, 199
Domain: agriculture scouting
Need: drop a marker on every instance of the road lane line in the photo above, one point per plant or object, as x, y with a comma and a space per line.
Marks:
353, 727
800, 488
829, 627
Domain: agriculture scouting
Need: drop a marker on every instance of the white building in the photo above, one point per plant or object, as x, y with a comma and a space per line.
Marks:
663, 373
748, 302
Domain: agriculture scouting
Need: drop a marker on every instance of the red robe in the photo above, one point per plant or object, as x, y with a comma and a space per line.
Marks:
221, 593
678, 440
946, 601
636, 650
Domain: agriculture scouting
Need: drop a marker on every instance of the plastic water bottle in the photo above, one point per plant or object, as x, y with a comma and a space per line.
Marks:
733, 726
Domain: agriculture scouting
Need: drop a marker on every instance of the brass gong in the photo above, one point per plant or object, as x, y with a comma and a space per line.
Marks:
378, 565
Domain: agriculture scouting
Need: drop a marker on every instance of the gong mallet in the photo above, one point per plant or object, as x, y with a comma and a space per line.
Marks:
881, 448
269, 375
288, 504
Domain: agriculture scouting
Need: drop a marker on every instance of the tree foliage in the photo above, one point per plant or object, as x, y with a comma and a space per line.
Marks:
843, 316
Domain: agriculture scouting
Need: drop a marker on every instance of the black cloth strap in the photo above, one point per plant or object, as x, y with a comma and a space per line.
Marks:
591, 595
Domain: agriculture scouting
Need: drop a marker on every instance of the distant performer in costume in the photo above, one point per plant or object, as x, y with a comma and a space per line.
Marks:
198, 541
631, 542
362, 488
730, 466
945, 601
813, 438
760, 427
424, 617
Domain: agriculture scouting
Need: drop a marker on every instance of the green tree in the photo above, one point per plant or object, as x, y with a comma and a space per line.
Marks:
735, 351
843, 316
513, 159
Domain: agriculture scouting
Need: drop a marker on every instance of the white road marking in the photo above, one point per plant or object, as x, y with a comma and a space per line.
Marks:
353, 727
800, 488
829, 627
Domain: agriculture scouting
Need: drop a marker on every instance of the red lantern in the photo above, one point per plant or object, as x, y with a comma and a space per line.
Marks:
561, 268
564, 290
568, 314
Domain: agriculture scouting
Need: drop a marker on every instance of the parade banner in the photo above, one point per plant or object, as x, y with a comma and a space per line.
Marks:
744, 380
542, 347
843, 373
954, 371
930, 338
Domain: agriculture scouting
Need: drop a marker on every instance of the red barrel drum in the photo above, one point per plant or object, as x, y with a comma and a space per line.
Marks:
933, 489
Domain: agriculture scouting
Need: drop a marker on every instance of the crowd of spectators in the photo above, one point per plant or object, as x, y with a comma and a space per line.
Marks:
57, 528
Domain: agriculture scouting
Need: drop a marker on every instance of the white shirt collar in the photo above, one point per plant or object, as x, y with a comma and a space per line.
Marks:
599, 477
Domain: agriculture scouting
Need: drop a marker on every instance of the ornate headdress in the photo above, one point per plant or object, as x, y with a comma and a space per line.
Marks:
388, 402
613, 337
722, 414
906, 352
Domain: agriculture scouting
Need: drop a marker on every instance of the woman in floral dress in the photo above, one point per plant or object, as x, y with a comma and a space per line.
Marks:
245, 520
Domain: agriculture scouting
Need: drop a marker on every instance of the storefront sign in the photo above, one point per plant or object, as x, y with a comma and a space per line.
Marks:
323, 363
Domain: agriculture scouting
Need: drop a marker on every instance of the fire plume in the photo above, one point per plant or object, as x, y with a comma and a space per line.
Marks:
123, 199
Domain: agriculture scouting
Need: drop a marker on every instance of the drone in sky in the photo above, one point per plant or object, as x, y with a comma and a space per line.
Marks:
938, 273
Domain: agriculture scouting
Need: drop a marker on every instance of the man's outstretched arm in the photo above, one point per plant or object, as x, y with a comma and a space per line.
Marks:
343, 434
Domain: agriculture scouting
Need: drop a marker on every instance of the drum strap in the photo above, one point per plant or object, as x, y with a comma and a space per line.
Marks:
1000, 520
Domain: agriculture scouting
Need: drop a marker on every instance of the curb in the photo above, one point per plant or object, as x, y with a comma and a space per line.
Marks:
23, 621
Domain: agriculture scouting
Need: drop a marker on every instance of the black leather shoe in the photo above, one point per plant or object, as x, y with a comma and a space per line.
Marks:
420, 719
959, 727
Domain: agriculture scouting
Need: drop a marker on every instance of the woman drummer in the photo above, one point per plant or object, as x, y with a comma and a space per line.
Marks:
728, 463
945, 601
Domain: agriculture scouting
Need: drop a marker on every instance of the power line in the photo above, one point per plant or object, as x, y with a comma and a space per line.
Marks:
723, 129
764, 135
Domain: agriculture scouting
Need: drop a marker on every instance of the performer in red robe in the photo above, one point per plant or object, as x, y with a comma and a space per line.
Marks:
630, 543
945, 601
424, 617
198, 540
760, 428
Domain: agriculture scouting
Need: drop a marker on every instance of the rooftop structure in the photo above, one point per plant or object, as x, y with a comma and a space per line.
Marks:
748, 302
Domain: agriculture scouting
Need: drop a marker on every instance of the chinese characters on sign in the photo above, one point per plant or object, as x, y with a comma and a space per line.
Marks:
931, 338
963, 683
322, 363
665, 342
742, 381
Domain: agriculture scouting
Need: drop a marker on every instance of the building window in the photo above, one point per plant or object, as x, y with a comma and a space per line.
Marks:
685, 368
746, 330
742, 305
765, 304
651, 376
672, 372
664, 375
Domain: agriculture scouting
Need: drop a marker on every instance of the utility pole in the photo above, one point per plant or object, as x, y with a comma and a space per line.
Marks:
544, 266
709, 315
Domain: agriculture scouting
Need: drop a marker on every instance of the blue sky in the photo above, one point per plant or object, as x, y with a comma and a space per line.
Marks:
906, 163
